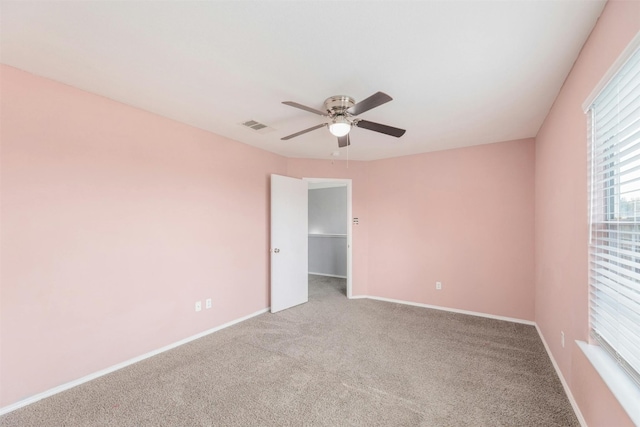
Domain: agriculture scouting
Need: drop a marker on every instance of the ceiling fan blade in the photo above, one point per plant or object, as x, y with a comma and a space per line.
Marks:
377, 127
343, 141
293, 135
373, 101
304, 107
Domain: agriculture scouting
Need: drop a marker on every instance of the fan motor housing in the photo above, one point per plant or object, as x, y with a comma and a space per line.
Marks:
337, 105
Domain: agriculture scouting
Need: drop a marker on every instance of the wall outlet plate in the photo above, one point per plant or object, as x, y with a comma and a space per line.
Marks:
198, 305
438, 285
208, 303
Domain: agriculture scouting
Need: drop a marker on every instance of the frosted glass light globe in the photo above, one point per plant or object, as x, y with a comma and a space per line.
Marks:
340, 128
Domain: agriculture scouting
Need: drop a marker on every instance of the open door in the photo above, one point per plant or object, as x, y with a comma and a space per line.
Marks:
289, 242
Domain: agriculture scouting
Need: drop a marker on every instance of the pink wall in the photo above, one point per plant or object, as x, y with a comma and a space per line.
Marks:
463, 217
561, 214
114, 222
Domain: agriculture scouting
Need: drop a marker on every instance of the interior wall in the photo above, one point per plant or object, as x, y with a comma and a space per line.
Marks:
114, 222
328, 231
328, 210
561, 220
463, 217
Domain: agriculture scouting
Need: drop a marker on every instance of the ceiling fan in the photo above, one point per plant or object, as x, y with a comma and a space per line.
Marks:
341, 111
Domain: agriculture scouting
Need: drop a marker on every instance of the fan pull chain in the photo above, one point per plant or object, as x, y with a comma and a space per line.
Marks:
348, 154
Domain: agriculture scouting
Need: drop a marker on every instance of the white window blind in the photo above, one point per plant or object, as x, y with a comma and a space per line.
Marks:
614, 190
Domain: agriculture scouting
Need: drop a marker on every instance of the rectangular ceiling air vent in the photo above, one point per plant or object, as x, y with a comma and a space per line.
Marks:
257, 126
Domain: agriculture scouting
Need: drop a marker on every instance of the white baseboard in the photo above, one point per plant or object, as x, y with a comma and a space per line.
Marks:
87, 378
126, 363
328, 275
453, 310
567, 390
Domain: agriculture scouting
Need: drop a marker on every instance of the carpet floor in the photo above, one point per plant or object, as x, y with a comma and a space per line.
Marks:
330, 362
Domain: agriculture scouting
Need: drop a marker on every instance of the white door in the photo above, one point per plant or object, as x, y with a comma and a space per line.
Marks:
289, 242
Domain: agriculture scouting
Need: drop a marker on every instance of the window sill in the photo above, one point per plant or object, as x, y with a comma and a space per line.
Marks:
622, 387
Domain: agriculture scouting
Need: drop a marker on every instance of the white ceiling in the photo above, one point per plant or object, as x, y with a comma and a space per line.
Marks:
461, 72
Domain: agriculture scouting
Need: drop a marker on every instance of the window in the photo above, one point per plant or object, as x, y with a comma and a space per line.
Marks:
614, 248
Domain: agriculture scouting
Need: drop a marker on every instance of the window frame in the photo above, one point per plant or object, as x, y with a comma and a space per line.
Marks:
614, 174
625, 390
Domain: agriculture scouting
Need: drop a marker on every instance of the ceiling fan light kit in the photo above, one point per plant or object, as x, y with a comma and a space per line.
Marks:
340, 126
341, 111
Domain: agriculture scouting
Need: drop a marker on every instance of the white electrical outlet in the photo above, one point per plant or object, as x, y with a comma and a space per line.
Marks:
438, 285
208, 303
562, 338
198, 305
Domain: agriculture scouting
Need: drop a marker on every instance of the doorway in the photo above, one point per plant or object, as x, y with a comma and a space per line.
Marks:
330, 242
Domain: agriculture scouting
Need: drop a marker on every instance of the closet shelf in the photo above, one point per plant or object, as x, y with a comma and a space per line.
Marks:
326, 235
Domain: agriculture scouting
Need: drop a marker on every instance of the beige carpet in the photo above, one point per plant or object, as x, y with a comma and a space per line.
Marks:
330, 362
